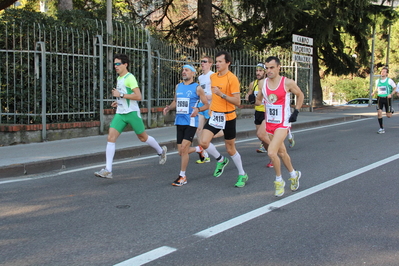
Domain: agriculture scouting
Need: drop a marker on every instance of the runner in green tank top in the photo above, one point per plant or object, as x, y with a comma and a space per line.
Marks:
385, 89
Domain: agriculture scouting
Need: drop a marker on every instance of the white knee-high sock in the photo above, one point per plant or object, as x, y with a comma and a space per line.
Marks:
237, 161
289, 134
154, 144
213, 151
109, 155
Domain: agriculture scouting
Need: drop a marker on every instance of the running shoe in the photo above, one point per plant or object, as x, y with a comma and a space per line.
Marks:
203, 156
220, 167
279, 186
295, 181
270, 165
241, 180
381, 131
104, 173
204, 160
162, 156
180, 181
261, 149
291, 141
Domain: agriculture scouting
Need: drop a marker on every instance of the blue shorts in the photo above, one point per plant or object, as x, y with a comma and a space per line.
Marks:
204, 113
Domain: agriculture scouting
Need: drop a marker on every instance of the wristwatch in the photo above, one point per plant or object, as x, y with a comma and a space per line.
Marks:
121, 95
224, 96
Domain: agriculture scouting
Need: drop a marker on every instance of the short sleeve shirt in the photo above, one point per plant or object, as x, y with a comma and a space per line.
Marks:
228, 85
125, 85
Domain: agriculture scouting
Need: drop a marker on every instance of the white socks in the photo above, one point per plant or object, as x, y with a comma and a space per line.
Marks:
289, 134
109, 155
213, 151
237, 161
154, 144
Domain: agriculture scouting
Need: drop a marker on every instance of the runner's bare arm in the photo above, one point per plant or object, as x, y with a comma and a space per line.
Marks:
172, 104
259, 97
293, 88
250, 90
135, 95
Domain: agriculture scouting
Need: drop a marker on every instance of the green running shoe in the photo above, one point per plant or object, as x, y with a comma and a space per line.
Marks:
220, 167
241, 180
291, 141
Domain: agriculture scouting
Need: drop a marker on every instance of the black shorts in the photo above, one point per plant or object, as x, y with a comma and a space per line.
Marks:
229, 130
384, 101
259, 117
185, 132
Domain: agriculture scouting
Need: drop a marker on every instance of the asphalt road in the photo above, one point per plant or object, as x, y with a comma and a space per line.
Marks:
345, 212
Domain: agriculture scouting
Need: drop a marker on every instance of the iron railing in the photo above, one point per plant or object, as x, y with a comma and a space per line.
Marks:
50, 74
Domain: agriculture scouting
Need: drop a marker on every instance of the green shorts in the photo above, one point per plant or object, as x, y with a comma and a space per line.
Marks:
120, 121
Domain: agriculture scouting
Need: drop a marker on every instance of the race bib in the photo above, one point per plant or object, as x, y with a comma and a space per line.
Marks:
382, 90
217, 120
182, 106
274, 113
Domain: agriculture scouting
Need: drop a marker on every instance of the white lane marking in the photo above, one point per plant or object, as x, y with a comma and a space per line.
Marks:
219, 228
297, 196
62, 172
147, 257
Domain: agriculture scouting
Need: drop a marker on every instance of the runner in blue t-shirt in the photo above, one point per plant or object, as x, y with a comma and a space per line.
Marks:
187, 96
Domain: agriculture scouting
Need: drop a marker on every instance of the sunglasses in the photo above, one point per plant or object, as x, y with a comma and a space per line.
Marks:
204, 61
117, 64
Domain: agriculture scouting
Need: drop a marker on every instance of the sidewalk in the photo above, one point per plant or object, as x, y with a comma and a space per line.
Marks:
35, 158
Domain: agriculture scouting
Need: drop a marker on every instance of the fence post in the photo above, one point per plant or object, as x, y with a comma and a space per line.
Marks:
99, 38
42, 48
158, 74
149, 86
311, 87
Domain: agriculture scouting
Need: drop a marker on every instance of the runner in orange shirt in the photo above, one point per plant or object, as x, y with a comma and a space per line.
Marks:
225, 98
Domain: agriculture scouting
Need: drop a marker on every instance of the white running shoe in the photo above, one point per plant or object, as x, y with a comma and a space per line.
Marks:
162, 156
104, 173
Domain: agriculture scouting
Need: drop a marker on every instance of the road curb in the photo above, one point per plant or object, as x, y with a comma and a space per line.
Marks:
39, 167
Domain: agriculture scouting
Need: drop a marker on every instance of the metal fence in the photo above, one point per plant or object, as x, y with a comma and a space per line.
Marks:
51, 74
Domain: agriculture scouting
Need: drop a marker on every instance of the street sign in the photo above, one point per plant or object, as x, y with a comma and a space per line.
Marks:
306, 48
302, 49
302, 58
302, 39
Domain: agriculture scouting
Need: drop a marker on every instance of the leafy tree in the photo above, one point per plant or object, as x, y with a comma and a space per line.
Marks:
348, 89
65, 5
206, 30
6, 3
274, 22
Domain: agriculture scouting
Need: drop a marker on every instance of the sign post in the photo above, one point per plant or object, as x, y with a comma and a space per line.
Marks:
302, 52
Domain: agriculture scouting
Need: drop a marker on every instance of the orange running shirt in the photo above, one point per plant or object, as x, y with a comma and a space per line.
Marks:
229, 85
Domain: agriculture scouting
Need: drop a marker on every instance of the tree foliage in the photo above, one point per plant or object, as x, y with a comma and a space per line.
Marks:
339, 29
326, 21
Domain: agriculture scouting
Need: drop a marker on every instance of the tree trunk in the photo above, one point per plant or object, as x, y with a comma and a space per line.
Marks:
206, 30
317, 90
65, 5
6, 3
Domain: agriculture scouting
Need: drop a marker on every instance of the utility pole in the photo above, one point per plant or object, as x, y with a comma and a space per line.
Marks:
389, 38
372, 66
